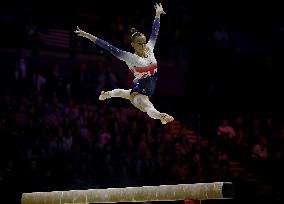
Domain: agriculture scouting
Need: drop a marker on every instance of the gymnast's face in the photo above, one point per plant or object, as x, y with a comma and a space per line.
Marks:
139, 44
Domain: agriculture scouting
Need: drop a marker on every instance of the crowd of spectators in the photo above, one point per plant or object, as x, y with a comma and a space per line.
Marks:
56, 135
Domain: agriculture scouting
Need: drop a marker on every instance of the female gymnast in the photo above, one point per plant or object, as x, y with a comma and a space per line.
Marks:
142, 64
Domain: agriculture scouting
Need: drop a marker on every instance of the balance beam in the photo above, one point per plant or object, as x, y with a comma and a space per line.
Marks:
197, 191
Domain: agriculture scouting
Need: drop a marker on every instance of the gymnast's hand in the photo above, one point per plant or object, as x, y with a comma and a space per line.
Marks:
82, 33
159, 9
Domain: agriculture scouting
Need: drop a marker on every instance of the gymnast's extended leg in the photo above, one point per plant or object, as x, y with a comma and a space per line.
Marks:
119, 93
143, 103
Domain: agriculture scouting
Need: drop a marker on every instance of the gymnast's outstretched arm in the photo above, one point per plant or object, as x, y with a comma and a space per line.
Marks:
120, 54
156, 25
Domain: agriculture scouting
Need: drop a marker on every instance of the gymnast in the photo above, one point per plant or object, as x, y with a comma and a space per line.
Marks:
142, 64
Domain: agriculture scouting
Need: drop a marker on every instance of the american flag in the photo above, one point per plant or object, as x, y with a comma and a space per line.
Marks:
55, 37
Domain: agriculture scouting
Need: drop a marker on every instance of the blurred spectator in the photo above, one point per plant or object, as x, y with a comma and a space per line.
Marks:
106, 78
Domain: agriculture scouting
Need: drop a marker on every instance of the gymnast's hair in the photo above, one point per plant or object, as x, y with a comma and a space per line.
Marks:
134, 34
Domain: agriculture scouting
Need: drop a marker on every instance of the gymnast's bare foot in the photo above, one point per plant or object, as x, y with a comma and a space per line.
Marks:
165, 118
104, 95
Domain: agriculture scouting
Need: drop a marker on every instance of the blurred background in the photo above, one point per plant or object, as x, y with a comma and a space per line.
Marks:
219, 76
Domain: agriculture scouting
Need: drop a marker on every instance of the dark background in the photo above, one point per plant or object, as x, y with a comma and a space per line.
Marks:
217, 60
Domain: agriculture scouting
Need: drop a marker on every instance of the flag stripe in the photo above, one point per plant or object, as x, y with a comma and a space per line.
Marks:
55, 37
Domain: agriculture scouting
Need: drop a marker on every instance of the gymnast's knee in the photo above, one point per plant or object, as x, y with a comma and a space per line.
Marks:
137, 101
